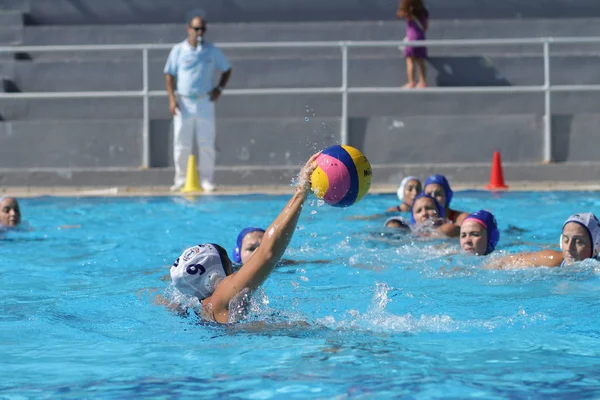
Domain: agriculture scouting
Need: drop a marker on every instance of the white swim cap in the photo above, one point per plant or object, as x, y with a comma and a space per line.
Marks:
198, 271
403, 183
591, 224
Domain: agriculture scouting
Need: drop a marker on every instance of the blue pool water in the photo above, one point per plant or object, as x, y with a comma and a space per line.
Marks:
384, 318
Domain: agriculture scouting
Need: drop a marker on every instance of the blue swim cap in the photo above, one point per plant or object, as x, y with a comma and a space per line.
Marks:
236, 253
488, 220
440, 209
441, 180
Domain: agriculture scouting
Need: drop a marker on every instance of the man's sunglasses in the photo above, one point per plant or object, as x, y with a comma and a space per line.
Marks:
198, 28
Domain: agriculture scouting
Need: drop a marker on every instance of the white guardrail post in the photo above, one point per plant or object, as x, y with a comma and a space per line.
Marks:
145, 112
344, 88
547, 104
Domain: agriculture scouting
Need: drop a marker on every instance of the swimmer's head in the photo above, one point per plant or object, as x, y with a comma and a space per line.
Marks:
199, 270
479, 233
409, 188
396, 222
247, 242
10, 213
438, 187
425, 207
580, 238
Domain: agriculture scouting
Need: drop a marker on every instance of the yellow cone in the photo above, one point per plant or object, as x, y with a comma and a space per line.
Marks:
192, 182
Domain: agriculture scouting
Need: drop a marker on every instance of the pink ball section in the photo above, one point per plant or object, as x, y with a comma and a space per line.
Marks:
337, 175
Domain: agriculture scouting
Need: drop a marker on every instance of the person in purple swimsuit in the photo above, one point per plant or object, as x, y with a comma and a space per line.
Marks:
416, 16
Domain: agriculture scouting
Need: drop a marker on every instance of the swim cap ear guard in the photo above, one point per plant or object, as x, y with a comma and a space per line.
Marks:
199, 269
488, 221
440, 209
592, 226
236, 253
403, 183
442, 181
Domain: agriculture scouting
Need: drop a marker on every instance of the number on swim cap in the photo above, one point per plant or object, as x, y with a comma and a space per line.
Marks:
193, 269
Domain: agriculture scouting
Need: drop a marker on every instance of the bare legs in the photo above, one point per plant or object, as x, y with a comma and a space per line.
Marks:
421, 72
410, 72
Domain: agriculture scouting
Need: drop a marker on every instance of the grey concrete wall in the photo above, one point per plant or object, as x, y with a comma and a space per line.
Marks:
553, 175
265, 143
70, 144
447, 139
156, 11
257, 142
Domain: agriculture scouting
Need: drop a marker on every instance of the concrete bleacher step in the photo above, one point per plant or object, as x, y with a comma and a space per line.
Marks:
312, 31
15, 5
11, 36
119, 75
409, 103
85, 12
11, 18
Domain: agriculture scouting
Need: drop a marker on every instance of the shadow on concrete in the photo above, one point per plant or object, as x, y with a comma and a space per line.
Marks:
357, 131
466, 71
561, 134
161, 143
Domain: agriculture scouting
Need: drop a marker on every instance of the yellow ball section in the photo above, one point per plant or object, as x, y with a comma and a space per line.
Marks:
363, 168
319, 182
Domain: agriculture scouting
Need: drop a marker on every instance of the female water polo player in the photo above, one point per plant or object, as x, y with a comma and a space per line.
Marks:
205, 271
479, 233
249, 239
247, 242
579, 240
427, 216
409, 188
10, 213
396, 222
438, 187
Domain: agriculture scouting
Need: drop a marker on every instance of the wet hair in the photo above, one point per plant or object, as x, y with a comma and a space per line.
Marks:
224, 259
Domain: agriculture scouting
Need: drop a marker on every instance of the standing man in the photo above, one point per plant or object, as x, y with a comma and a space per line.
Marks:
192, 64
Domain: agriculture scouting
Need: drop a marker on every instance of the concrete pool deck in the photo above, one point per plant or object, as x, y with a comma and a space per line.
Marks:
125, 191
276, 179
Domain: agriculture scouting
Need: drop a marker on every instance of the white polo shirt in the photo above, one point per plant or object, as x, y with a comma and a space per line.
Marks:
194, 68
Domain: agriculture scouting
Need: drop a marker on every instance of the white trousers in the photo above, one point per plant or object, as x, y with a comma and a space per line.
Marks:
194, 120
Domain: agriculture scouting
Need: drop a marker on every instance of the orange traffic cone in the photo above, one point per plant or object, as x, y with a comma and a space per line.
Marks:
496, 176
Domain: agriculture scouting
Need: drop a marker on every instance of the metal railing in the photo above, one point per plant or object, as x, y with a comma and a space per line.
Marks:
547, 88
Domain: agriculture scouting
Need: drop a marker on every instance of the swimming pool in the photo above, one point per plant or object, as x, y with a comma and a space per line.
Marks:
386, 317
